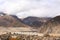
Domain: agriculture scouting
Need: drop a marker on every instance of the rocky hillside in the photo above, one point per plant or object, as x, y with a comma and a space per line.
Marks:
35, 21
10, 21
52, 26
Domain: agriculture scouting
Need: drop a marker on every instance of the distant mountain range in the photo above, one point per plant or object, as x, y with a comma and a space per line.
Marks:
31, 21
35, 21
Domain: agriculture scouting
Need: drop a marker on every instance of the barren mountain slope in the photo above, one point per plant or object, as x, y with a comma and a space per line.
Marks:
52, 26
10, 21
35, 21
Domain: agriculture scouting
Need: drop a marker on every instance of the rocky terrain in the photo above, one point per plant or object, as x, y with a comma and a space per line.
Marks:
14, 21
35, 21
10, 21
52, 26
44, 25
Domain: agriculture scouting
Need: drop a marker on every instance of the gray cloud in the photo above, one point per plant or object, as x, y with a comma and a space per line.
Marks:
24, 8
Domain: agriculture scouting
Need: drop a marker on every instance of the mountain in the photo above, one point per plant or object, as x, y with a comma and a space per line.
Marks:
51, 26
35, 21
10, 21
57, 19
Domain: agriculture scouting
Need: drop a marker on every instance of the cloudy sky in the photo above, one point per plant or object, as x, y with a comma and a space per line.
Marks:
24, 8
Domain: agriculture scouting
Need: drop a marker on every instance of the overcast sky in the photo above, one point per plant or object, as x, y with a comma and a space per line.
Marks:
24, 8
